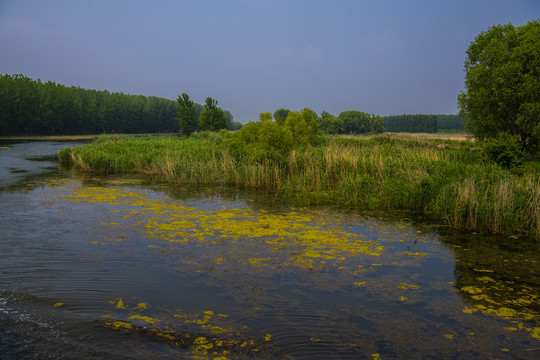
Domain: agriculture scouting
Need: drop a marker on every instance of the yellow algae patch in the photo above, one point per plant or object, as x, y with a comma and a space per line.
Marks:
140, 306
449, 336
406, 286
268, 337
58, 304
402, 298
306, 236
471, 290
483, 270
144, 318
119, 325
535, 333
119, 303
415, 253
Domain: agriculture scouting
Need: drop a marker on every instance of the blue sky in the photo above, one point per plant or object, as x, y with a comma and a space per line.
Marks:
383, 57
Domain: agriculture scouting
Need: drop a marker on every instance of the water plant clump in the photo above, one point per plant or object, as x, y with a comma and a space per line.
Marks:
206, 336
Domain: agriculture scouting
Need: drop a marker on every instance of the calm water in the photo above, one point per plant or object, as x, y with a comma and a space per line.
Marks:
117, 268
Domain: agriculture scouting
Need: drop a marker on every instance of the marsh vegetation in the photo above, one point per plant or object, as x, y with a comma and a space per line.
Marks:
448, 180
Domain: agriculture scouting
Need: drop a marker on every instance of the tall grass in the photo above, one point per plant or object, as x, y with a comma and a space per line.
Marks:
452, 184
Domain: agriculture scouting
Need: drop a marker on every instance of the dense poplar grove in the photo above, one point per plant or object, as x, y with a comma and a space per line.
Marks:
418, 123
423, 123
45, 108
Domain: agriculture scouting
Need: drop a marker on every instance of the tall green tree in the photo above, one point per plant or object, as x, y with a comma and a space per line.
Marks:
212, 118
280, 115
502, 80
186, 114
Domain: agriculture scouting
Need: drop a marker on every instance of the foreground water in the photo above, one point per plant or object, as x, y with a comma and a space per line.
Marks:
114, 268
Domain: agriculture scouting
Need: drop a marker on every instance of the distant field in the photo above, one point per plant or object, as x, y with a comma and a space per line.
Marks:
424, 136
448, 136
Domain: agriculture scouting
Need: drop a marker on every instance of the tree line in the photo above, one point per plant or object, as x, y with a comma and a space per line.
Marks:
423, 123
351, 122
34, 107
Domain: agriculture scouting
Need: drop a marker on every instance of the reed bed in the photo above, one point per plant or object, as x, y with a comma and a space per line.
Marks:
455, 186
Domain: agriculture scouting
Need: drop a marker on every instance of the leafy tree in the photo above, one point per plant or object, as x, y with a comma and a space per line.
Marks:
212, 118
186, 114
280, 115
265, 116
235, 125
330, 124
229, 118
502, 80
411, 123
303, 127
358, 122
450, 122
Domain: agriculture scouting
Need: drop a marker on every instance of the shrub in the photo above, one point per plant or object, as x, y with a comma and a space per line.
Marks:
504, 150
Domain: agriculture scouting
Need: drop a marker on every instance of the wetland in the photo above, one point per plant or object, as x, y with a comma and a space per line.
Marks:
116, 266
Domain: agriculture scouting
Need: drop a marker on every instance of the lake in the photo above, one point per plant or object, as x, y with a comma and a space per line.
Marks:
119, 267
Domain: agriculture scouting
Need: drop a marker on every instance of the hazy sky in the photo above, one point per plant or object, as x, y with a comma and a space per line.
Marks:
384, 57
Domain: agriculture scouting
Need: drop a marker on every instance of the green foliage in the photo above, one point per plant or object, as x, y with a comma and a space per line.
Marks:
331, 124
504, 150
358, 122
303, 127
186, 115
502, 84
265, 116
235, 125
33, 107
213, 117
229, 118
271, 141
280, 115
418, 123
448, 123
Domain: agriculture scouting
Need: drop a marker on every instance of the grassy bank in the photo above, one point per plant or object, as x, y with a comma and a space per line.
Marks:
446, 179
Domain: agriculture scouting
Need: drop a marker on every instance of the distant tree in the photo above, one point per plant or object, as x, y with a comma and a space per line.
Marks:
235, 125
265, 116
280, 115
186, 114
32, 107
229, 118
212, 118
450, 123
418, 123
377, 124
330, 124
502, 80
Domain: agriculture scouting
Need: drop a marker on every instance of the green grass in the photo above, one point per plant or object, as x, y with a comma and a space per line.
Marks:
448, 180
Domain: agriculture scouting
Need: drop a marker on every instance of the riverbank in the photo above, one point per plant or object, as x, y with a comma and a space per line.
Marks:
447, 180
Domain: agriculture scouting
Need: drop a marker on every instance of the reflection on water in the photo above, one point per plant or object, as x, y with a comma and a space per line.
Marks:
113, 269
